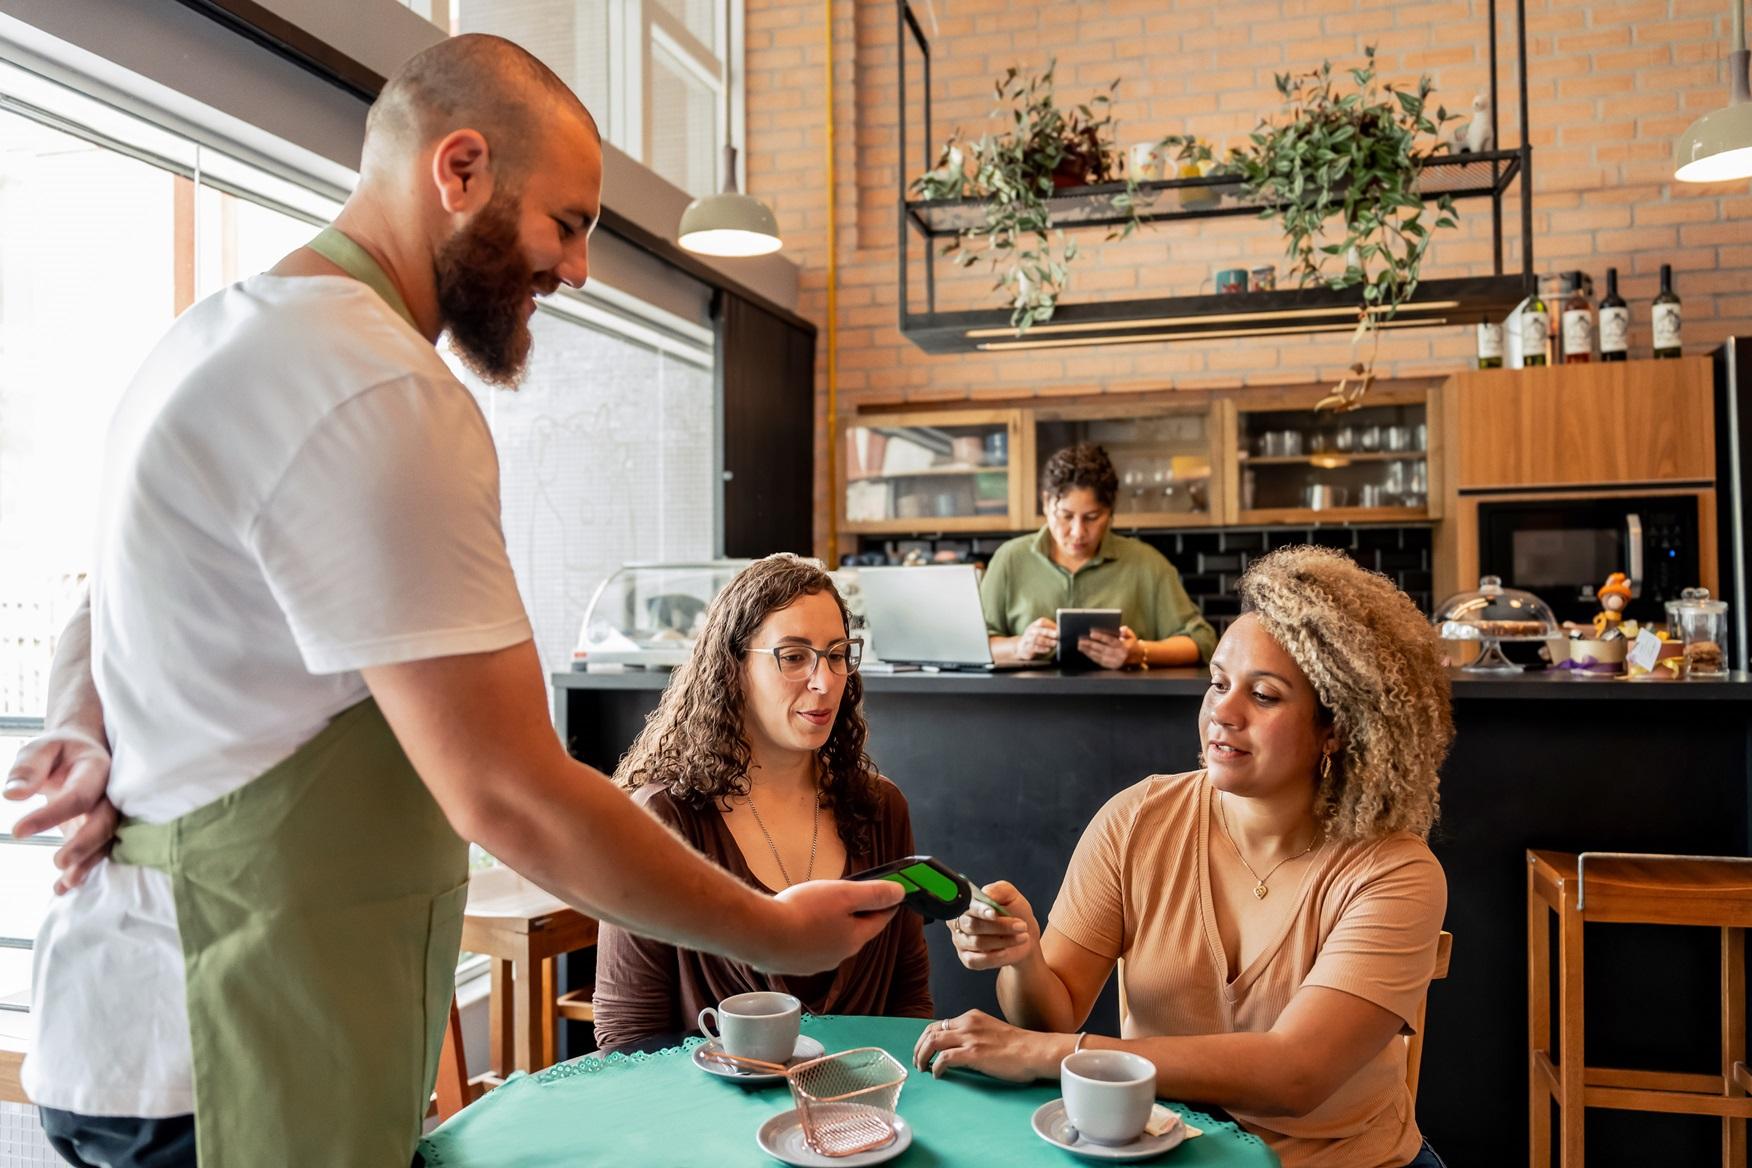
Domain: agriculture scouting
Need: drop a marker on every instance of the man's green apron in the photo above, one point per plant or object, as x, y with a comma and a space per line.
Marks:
320, 910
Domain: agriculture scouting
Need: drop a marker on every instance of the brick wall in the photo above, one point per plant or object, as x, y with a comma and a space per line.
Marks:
1611, 86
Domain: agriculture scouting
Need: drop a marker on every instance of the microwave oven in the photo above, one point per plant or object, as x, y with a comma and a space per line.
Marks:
1562, 550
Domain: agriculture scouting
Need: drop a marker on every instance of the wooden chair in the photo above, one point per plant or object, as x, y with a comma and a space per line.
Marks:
455, 1091
524, 929
1414, 1043
1712, 892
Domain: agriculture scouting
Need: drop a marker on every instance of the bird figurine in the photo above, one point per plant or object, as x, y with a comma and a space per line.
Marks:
1477, 137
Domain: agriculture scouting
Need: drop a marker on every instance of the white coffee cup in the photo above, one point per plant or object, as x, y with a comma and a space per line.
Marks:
761, 1025
1108, 1094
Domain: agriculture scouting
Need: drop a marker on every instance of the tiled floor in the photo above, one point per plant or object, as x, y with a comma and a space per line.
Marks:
21, 1139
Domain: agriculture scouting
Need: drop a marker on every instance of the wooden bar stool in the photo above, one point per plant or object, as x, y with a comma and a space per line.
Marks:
1707, 891
523, 929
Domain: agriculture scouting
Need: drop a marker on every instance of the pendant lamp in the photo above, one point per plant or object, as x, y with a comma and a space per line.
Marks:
1718, 146
729, 223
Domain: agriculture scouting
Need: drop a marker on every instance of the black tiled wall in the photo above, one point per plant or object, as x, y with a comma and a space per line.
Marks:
1211, 561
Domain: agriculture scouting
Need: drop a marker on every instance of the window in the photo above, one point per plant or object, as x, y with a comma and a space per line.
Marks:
109, 227
655, 73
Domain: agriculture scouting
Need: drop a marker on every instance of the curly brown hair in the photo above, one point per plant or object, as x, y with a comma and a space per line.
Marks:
1377, 669
1084, 465
693, 744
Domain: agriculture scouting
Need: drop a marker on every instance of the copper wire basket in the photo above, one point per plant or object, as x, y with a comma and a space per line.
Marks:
847, 1100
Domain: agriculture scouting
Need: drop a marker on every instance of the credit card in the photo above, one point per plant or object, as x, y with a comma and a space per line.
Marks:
986, 900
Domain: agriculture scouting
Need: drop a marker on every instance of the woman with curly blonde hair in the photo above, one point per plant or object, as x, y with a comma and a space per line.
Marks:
755, 754
1274, 915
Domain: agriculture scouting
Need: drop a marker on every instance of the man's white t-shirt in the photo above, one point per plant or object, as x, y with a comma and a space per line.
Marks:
295, 488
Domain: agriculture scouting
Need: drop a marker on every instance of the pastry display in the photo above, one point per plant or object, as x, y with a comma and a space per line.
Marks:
1488, 617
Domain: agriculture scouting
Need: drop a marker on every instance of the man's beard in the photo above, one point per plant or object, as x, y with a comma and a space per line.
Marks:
484, 284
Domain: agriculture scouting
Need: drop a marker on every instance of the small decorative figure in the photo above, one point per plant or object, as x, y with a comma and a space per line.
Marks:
1613, 596
1477, 137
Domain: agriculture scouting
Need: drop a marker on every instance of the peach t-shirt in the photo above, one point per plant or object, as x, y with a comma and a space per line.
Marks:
1366, 922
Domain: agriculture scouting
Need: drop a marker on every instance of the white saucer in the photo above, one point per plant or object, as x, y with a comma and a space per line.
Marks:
806, 1048
781, 1137
1050, 1123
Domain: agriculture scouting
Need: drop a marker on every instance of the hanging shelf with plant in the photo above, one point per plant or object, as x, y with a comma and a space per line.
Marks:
1359, 180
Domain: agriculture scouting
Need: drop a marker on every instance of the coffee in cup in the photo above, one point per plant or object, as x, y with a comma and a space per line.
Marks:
761, 1025
1108, 1094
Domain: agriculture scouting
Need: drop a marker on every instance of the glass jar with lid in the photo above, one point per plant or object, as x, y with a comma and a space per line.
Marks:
1703, 625
1492, 615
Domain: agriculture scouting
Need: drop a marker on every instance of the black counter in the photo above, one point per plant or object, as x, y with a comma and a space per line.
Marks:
1003, 771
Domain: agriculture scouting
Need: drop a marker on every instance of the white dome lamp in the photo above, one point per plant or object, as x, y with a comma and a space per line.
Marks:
1718, 146
729, 223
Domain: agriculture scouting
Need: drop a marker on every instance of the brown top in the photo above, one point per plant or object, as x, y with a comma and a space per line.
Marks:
646, 988
1367, 921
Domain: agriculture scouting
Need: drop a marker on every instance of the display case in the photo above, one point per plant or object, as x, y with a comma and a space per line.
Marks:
1373, 464
1165, 459
941, 471
650, 614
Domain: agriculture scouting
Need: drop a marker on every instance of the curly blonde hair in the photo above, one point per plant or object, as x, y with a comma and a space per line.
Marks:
694, 745
1377, 669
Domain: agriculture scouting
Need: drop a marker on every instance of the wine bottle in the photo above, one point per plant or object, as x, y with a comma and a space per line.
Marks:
1614, 322
1490, 345
1665, 316
1578, 322
1535, 329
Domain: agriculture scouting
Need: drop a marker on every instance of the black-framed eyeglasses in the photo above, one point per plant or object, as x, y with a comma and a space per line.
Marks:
799, 662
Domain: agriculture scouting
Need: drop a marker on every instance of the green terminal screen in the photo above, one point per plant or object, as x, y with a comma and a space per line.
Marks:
927, 878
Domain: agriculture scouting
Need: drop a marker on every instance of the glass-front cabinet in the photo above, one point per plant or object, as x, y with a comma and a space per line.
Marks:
936, 471
1375, 463
1165, 460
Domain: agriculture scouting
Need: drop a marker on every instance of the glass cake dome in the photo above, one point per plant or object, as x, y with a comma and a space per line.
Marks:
1491, 615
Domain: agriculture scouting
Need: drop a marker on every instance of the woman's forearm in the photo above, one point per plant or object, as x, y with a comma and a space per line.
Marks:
1033, 997
1179, 649
1258, 1074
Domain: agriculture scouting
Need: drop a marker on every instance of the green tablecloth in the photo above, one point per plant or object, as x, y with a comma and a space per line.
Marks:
660, 1110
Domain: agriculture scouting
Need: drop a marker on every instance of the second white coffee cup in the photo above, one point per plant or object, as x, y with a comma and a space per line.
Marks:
762, 1025
1108, 1094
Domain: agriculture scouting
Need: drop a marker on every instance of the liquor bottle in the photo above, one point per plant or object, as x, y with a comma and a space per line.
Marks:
1578, 322
1614, 322
1490, 345
1535, 329
1665, 316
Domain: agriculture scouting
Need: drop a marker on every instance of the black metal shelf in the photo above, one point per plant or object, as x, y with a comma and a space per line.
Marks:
1465, 300
1459, 176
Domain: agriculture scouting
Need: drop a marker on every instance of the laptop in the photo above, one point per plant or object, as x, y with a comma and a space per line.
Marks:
929, 616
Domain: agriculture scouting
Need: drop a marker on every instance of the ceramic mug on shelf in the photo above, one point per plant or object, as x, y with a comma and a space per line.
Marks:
1146, 162
1265, 279
1231, 281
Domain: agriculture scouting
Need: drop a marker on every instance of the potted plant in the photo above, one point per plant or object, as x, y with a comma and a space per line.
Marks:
1042, 149
1340, 173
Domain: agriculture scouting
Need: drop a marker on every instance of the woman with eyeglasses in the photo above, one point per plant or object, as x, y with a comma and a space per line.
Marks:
755, 755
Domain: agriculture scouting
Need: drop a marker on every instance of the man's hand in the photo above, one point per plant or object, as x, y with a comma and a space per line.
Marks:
72, 771
1109, 651
1039, 639
822, 922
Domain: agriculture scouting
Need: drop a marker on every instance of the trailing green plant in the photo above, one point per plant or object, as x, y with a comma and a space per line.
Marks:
1340, 173
1015, 171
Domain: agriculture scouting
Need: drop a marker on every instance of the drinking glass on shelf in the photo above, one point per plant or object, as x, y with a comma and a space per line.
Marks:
1345, 439
1420, 436
1370, 439
1398, 437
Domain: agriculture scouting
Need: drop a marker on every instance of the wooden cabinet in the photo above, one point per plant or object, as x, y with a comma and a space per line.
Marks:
938, 471
1380, 463
1593, 425
1165, 457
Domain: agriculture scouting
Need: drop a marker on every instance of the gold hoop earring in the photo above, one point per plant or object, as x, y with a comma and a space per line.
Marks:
1326, 766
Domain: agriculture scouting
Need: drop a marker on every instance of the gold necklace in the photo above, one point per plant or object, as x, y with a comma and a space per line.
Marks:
814, 831
1259, 889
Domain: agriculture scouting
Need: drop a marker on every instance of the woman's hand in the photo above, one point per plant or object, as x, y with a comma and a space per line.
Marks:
1039, 639
1109, 651
985, 940
979, 1042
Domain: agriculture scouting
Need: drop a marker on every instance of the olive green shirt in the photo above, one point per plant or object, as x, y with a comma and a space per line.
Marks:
1022, 584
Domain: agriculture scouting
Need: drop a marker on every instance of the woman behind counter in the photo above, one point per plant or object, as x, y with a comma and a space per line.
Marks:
755, 755
1274, 916
1076, 561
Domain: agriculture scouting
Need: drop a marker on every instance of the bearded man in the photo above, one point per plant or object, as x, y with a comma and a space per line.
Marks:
305, 677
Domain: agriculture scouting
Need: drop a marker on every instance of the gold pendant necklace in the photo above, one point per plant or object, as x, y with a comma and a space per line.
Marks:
1260, 891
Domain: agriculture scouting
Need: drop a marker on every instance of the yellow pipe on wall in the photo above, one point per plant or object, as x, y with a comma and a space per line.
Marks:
832, 339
